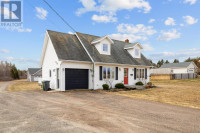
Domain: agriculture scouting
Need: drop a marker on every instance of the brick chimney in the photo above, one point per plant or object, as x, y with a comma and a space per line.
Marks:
127, 41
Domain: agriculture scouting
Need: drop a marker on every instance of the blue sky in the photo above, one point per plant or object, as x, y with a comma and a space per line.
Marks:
167, 29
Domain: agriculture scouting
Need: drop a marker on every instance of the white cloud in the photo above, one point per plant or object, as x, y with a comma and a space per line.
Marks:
190, 1
147, 47
112, 6
133, 32
181, 55
104, 18
170, 21
19, 59
169, 35
190, 20
41, 13
131, 37
4, 51
136, 29
186, 50
151, 20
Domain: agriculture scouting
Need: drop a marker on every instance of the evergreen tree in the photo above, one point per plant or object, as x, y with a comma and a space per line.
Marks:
159, 64
162, 62
14, 72
166, 62
176, 61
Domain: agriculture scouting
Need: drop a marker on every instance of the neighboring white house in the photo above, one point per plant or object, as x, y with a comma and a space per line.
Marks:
34, 74
176, 68
82, 61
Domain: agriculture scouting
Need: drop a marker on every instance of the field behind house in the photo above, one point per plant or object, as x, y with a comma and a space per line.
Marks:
177, 92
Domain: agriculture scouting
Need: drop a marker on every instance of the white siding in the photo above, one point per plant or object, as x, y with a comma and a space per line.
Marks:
191, 68
50, 63
179, 70
131, 80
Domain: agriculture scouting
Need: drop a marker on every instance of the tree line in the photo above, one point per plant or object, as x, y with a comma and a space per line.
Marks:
162, 62
9, 71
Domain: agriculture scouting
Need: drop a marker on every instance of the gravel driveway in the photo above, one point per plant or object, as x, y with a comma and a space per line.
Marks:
84, 111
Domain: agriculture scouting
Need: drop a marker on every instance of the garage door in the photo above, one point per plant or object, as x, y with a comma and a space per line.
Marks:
76, 79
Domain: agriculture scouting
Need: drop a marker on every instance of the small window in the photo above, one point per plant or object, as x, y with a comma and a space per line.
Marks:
137, 52
125, 73
140, 74
49, 73
105, 47
104, 73
108, 73
113, 73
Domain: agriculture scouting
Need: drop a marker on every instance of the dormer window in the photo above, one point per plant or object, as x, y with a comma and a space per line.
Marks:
137, 52
105, 47
134, 49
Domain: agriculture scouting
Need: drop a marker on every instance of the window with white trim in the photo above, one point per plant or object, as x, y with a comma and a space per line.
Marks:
140, 74
137, 52
108, 72
49, 73
105, 47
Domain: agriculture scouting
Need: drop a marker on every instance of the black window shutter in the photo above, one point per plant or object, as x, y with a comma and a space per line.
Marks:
145, 73
100, 73
135, 73
116, 73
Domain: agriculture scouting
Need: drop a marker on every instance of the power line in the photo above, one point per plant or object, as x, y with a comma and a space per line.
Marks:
60, 16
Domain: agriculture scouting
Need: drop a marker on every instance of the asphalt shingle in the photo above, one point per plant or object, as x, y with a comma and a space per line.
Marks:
179, 65
68, 47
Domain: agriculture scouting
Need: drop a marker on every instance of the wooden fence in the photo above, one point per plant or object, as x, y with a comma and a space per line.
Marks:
173, 76
184, 76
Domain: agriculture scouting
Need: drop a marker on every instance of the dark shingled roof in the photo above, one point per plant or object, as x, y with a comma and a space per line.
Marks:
173, 65
33, 70
68, 47
118, 54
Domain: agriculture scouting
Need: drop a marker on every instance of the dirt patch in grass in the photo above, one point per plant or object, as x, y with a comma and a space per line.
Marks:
177, 92
23, 86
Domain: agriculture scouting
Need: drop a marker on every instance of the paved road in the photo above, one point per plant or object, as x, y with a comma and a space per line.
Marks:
83, 112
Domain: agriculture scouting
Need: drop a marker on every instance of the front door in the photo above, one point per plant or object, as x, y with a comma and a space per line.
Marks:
125, 76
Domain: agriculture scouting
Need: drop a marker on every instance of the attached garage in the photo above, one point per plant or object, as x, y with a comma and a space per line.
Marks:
76, 79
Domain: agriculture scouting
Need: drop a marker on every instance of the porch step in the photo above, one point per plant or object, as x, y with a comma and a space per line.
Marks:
134, 87
130, 86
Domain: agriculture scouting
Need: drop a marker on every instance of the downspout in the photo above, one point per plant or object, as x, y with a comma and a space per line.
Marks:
93, 63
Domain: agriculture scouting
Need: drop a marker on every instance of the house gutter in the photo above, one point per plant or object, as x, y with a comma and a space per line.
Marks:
93, 63
123, 64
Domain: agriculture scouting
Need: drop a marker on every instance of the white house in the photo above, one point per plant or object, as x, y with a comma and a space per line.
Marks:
82, 61
34, 74
176, 68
